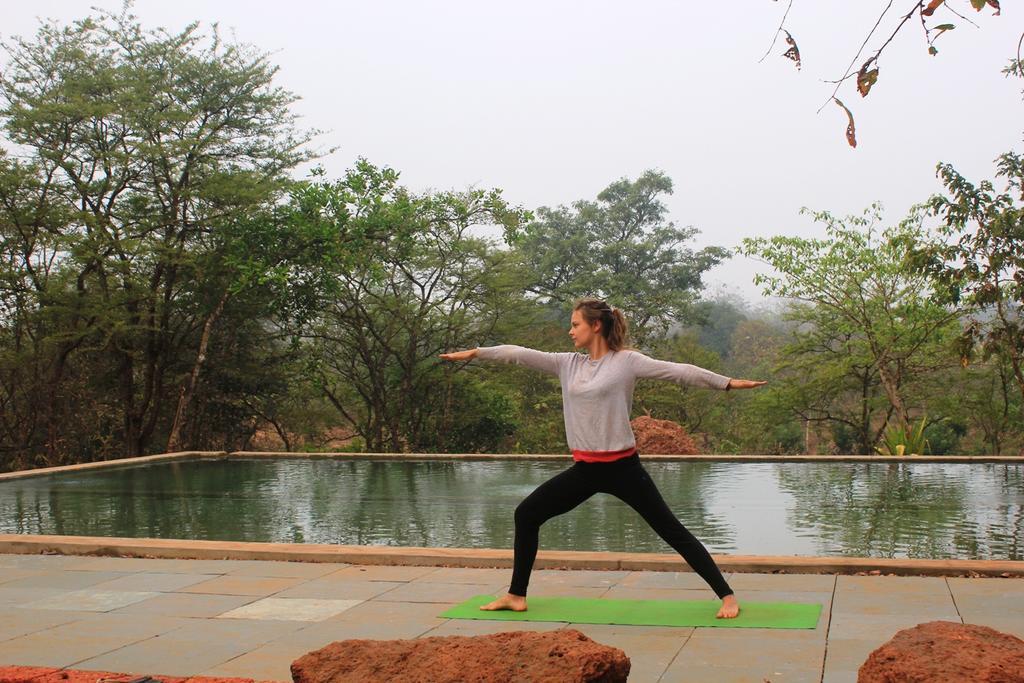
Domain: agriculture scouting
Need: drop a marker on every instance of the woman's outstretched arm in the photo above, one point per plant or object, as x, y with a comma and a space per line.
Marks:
511, 353
684, 373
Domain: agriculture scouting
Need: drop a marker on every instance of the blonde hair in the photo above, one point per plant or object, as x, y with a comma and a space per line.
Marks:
614, 327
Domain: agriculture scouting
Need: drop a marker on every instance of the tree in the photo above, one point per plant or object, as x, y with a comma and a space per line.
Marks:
982, 268
865, 319
375, 344
135, 147
620, 247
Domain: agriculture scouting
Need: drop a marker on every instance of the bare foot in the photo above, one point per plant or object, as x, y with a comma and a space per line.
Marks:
730, 608
516, 603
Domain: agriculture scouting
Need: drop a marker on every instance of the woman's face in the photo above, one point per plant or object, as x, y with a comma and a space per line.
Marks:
581, 332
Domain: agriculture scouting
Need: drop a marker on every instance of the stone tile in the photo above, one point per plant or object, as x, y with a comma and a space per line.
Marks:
766, 649
206, 566
666, 580
817, 583
68, 580
840, 676
576, 577
880, 627
923, 597
270, 662
152, 581
242, 585
123, 564
421, 591
680, 672
13, 573
45, 649
176, 566
110, 625
924, 607
293, 609
468, 575
166, 656
18, 621
321, 633
989, 604
961, 586
301, 570
891, 585
249, 632
15, 597
381, 612
91, 600
846, 654
196, 605
42, 561
334, 589
383, 573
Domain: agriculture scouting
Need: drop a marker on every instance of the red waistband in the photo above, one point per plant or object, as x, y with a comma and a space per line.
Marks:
602, 456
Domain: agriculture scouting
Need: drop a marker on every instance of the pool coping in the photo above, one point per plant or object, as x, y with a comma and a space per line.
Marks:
485, 557
165, 548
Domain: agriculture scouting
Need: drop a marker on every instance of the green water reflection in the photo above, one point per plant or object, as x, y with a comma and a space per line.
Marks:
868, 509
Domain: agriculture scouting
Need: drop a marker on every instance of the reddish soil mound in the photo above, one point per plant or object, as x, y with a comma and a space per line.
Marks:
662, 437
564, 656
946, 651
39, 674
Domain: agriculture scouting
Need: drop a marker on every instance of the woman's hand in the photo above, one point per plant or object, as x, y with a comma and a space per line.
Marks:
744, 383
459, 355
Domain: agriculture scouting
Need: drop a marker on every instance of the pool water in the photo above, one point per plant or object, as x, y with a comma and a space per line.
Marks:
919, 510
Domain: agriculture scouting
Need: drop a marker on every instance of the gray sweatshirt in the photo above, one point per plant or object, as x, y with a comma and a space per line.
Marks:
597, 395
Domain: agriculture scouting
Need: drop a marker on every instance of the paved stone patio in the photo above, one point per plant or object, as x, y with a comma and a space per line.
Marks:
252, 618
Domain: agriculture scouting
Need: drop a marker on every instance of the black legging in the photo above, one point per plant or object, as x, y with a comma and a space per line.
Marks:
626, 479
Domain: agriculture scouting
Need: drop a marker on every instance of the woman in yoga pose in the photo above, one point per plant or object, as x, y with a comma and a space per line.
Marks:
597, 396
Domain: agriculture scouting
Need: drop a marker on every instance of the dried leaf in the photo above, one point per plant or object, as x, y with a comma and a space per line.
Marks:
932, 50
932, 6
851, 131
980, 5
866, 78
995, 3
793, 52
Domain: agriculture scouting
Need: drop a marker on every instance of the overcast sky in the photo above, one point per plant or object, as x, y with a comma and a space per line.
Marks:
552, 101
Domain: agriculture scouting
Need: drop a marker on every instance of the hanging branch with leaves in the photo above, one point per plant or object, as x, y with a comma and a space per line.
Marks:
867, 74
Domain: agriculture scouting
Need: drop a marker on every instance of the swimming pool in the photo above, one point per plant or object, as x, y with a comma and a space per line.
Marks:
867, 509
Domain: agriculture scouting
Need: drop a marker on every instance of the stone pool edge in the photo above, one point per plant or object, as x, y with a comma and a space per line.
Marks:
162, 548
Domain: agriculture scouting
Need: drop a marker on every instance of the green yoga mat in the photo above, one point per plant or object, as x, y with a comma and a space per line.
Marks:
645, 612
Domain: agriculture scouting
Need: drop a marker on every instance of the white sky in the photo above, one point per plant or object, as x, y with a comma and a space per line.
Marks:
551, 101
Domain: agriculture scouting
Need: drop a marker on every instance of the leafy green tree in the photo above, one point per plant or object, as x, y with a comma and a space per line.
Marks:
865, 321
623, 247
374, 346
139, 152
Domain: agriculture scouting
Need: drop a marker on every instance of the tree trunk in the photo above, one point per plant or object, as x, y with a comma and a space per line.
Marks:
176, 441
